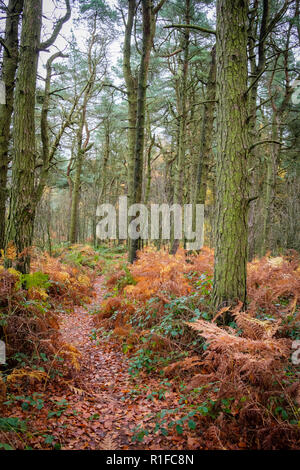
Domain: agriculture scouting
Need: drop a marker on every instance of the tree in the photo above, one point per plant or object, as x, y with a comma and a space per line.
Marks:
232, 151
206, 134
149, 22
182, 119
9, 67
82, 146
131, 89
23, 199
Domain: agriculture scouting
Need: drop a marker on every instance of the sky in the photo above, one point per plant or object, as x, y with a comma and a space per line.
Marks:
53, 9
50, 12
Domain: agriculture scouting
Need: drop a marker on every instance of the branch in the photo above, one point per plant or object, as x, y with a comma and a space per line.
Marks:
265, 101
255, 81
171, 54
276, 18
192, 26
158, 6
59, 89
44, 45
5, 47
115, 87
264, 142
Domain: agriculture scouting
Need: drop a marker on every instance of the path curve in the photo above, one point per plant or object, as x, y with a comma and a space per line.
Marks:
102, 421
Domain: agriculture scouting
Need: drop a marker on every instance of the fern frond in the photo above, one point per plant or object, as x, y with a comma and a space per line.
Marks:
108, 443
18, 374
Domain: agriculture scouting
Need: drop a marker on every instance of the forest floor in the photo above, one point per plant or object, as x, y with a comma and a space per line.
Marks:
93, 408
103, 420
103, 356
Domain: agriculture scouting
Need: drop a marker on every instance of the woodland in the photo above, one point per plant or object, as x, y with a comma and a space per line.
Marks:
141, 344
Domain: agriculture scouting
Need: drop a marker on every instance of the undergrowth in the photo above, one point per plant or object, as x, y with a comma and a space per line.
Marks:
30, 306
238, 385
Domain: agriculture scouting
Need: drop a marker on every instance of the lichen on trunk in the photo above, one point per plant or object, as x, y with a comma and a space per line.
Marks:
232, 151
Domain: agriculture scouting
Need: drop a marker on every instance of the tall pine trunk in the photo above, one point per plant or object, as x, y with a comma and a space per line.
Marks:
131, 84
9, 67
22, 204
148, 34
183, 113
206, 133
232, 149
24, 196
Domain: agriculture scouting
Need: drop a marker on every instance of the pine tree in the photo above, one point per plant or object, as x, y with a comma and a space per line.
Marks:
232, 152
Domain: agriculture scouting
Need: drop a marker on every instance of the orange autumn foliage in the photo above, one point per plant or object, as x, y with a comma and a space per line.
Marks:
272, 279
158, 274
69, 284
161, 276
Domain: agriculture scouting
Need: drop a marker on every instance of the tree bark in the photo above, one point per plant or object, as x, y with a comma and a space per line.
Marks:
9, 68
131, 85
148, 34
206, 133
257, 66
24, 197
182, 108
22, 206
82, 148
232, 152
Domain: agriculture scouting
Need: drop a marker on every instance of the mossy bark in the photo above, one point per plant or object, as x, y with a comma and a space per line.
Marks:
22, 203
9, 67
81, 148
148, 34
205, 156
182, 125
232, 151
131, 87
257, 63
75, 196
24, 196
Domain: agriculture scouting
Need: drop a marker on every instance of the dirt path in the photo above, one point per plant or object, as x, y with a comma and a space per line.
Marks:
101, 418
99, 413
98, 407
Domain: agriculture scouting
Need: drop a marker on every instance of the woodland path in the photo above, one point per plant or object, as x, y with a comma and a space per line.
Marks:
97, 417
101, 421
99, 406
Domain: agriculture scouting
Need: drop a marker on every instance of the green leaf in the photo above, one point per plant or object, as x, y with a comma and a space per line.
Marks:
12, 424
179, 429
5, 446
192, 424
49, 439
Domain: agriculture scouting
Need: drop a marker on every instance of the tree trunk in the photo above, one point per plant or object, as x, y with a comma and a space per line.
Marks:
257, 65
206, 132
76, 193
148, 34
179, 171
22, 205
131, 94
269, 193
24, 198
9, 67
232, 150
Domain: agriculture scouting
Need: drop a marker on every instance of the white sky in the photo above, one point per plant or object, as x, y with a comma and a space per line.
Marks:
51, 12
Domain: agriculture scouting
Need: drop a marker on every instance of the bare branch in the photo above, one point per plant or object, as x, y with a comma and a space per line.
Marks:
44, 45
158, 6
5, 47
267, 141
192, 26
